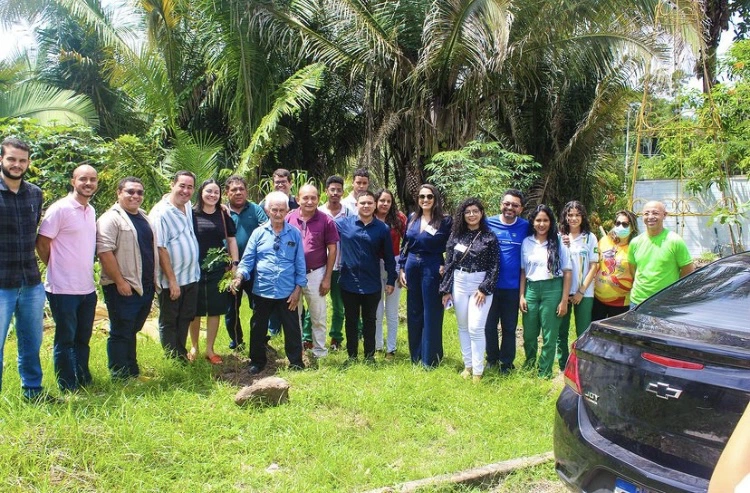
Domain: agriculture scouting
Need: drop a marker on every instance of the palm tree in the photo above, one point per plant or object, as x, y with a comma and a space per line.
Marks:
538, 76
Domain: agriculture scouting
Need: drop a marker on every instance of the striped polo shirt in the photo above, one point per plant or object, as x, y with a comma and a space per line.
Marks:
174, 231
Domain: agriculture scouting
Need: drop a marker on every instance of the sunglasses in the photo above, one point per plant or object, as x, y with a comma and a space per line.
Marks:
131, 191
277, 242
429, 196
622, 223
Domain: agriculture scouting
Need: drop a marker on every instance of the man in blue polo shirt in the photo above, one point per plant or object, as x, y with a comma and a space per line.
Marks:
276, 253
510, 229
363, 241
247, 216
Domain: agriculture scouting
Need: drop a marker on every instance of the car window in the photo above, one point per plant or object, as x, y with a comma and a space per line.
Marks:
717, 295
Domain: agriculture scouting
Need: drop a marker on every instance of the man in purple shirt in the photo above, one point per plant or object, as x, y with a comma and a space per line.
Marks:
319, 239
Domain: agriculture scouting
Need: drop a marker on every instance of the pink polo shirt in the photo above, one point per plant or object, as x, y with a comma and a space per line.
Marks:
72, 229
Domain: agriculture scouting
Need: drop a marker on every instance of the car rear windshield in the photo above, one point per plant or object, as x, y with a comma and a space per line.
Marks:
715, 296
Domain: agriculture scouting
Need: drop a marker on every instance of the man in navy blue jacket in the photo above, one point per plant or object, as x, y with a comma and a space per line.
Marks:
364, 241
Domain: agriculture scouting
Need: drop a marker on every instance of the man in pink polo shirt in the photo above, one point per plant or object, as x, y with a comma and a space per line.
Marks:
319, 239
67, 245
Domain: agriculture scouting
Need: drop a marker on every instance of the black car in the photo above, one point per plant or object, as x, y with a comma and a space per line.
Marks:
652, 396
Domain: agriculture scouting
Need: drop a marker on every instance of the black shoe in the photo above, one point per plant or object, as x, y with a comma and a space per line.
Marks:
254, 369
350, 361
237, 346
491, 365
297, 367
370, 360
43, 398
507, 369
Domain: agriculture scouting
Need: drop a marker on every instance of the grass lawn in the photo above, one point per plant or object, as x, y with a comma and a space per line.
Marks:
344, 429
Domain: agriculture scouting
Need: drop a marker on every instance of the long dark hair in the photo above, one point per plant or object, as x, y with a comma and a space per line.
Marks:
574, 205
391, 217
437, 207
198, 207
459, 220
553, 242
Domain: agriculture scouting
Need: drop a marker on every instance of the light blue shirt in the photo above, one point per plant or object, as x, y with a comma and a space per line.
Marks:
175, 233
278, 260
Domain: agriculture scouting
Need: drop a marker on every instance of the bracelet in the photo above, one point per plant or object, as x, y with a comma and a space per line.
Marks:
581, 292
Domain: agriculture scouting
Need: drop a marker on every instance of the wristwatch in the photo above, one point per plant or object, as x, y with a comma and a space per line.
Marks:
235, 263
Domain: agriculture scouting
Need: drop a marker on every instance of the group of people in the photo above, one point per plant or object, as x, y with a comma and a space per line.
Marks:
290, 254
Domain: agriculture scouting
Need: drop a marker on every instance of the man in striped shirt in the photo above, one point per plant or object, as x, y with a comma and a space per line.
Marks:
179, 270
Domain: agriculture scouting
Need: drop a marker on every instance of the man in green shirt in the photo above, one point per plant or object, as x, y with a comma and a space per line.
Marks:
658, 257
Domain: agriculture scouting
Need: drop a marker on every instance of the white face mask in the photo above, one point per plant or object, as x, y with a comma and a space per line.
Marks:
622, 231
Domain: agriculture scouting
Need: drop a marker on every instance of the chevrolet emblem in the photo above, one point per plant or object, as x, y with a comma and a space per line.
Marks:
663, 390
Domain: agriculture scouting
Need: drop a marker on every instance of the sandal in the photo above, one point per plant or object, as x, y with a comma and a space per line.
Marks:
214, 359
192, 355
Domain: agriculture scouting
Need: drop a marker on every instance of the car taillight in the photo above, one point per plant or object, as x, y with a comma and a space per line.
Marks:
571, 371
671, 362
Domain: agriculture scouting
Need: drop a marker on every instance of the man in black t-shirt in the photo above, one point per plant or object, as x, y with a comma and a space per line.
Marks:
126, 245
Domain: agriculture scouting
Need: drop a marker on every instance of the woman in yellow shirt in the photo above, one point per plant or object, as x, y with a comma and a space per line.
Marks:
613, 281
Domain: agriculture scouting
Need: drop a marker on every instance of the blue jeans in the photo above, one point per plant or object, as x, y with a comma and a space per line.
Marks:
127, 314
74, 320
27, 304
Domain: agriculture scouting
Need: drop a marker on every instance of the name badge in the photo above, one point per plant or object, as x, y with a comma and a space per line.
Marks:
460, 248
430, 229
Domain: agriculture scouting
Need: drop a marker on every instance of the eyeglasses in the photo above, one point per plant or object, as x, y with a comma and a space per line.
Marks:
429, 196
622, 223
511, 204
133, 191
277, 242
472, 212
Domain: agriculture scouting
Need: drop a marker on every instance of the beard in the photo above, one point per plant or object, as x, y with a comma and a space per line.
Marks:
7, 172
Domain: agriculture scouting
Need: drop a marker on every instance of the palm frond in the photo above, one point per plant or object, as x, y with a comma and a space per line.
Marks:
293, 94
47, 104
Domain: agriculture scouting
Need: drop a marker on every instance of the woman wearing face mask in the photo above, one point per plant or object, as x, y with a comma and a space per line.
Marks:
613, 281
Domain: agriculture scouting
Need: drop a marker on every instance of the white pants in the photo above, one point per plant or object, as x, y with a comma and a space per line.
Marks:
470, 318
316, 305
390, 303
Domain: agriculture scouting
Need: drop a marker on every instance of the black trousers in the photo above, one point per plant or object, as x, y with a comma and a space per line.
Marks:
175, 317
262, 310
354, 305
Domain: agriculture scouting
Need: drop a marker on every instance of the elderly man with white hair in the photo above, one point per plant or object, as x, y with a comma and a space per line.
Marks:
276, 253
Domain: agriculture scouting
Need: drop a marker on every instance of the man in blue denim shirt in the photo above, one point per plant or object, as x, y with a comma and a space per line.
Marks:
275, 252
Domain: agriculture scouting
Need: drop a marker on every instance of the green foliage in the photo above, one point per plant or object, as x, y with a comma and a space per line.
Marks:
218, 258
705, 138
481, 169
57, 150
